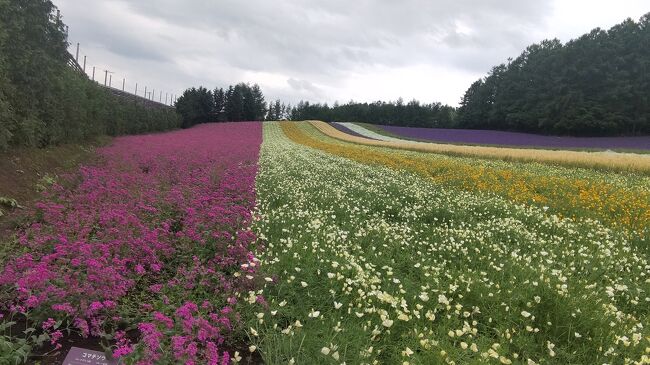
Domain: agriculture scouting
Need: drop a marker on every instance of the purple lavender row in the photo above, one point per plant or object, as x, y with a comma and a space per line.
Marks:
489, 137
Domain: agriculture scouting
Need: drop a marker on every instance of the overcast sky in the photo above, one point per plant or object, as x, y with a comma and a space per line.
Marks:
324, 50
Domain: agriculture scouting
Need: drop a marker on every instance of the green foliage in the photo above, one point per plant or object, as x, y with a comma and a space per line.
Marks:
45, 102
411, 114
594, 85
195, 106
241, 102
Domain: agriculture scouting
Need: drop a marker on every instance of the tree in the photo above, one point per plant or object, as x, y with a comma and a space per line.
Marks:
42, 100
195, 106
219, 104
596, 84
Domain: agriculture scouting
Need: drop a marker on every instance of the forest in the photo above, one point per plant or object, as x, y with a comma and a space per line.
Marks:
241, 102
45, 102
597, 84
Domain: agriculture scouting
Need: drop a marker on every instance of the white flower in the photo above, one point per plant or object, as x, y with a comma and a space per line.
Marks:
314, 314
525, 314
387, 323
252, 348
325, 351
337, 305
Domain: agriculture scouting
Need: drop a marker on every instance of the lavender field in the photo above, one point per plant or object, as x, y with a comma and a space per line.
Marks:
489, 137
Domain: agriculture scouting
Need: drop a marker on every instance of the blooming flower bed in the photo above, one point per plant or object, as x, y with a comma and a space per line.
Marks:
517, 139
376, 265
618, 199
154, 238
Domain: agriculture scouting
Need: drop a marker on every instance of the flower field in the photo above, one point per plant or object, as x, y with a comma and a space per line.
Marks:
369, 264
604, 160
301, 243
517, 139
152, 240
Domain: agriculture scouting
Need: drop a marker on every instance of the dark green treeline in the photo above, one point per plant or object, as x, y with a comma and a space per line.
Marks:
598, 84
241, 102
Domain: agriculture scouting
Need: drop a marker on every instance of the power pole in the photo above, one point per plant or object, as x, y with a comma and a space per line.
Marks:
110, 81
93, 73
123, 83
77, 56
145, 92
136, 89
160, 99
84, 64
153, 94
166, 95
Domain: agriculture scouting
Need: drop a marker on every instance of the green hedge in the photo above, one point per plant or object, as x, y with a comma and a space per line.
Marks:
43, 101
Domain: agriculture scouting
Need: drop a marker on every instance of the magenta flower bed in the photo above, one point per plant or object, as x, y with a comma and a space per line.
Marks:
153, 237
517, 139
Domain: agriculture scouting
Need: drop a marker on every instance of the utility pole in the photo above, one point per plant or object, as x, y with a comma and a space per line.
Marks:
123, 83
93, 73
77, 56
166, 95
110, 81
160, 99
85, 64
153, 94
136, 89
145, 92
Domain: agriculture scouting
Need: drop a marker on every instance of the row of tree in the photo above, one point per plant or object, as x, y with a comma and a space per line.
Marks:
244, 102
43, 101
598, 84
237, 103
411, 114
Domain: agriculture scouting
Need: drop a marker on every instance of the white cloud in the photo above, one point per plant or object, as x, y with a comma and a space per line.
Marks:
327, 50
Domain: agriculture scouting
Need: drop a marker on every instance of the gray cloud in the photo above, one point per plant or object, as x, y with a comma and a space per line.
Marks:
290, 46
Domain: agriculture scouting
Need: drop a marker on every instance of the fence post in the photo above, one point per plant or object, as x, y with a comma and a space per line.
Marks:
136, 89
93, 73
123, 83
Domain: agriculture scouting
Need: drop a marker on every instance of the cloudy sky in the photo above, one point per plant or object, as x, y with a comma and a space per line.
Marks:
326, 50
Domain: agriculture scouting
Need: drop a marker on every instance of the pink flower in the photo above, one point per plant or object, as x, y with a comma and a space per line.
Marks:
46, 324
168, 322
55, 337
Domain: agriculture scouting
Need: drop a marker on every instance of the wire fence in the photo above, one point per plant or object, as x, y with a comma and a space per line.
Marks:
119, 86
